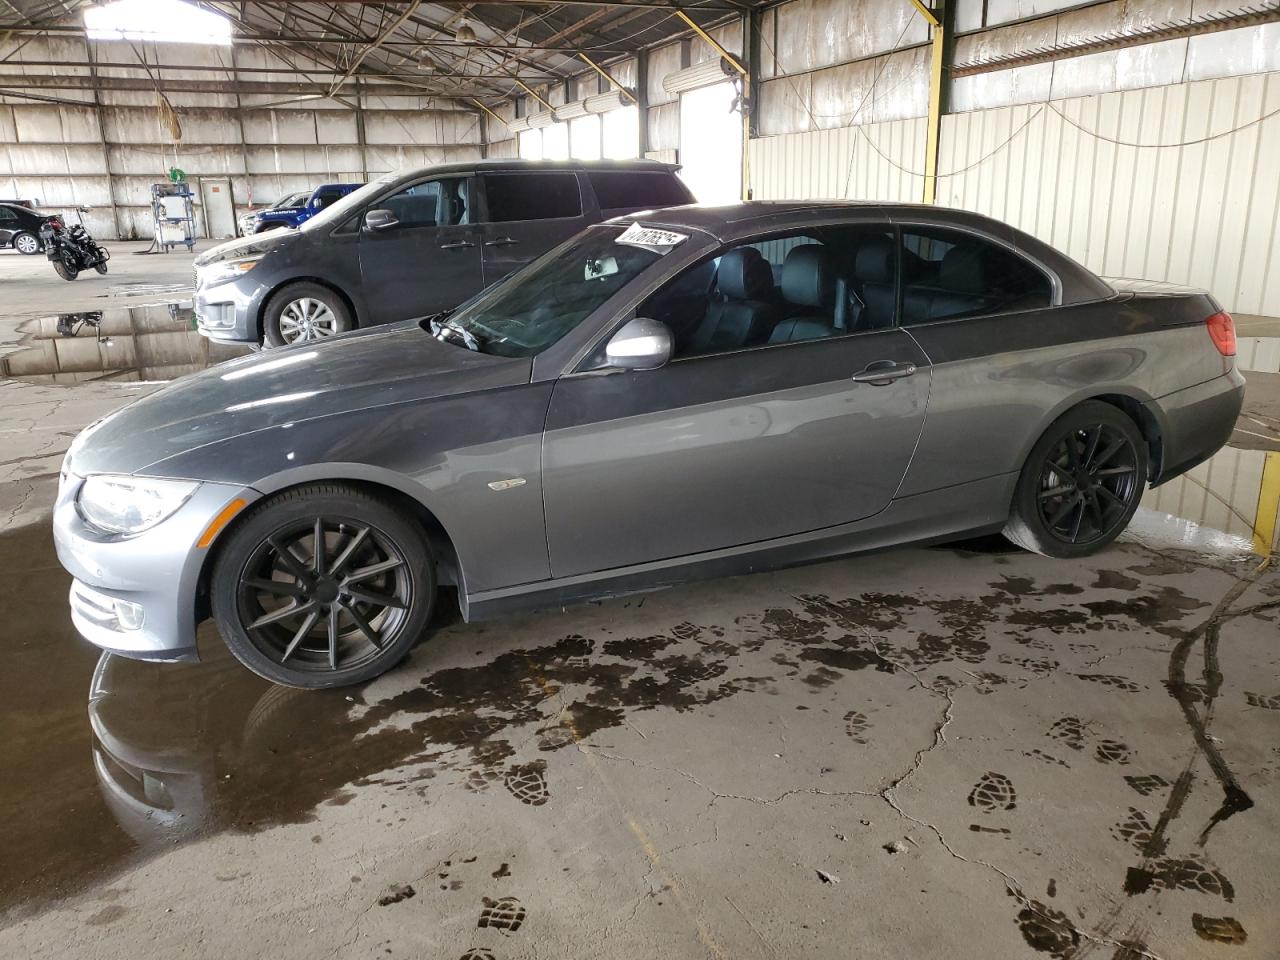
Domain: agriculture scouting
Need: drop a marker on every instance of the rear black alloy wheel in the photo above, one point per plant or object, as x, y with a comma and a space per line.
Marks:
1081, 484
323, 586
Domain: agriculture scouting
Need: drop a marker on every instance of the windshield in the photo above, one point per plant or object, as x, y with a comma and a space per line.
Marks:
292, 200
535, 307
335, 213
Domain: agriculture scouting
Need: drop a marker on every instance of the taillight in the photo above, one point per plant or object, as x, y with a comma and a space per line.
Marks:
1223, 331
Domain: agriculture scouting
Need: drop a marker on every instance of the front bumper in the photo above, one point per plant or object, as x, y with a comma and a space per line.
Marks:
138, 596
228, 311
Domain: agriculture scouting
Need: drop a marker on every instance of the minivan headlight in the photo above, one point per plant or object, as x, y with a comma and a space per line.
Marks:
226, 270
130, 505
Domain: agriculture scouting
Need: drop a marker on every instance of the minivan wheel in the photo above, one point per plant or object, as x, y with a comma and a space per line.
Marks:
323, 586
1081, 483
27, 243
302, 312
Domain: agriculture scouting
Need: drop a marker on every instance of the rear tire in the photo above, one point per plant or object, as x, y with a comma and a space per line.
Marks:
26, 242
312, 623
1081, 483
302, 312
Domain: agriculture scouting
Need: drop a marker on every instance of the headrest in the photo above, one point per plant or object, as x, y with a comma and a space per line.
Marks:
874, 262
807, 277
965, 270
745, 274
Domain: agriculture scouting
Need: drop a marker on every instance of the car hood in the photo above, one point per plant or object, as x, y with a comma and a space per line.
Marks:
291, 386
246, 247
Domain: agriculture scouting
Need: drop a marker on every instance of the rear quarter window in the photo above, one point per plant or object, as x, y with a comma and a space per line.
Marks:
532, 196
622, 190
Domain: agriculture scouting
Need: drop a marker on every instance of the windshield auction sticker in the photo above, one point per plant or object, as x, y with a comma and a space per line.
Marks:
651, 238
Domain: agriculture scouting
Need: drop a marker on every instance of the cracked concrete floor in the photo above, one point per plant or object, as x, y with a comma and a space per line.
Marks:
955, 752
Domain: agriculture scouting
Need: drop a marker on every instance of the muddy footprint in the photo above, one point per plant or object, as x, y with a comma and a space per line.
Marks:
994, 791
528, 783
1048, 930
856, 726
1110, 680
1146, 784
1263, 701
505, 914
1219, 929
1111, 751
1135, 830
1069, 731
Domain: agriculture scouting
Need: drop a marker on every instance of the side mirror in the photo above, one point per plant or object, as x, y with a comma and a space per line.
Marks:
642, 344
380, 220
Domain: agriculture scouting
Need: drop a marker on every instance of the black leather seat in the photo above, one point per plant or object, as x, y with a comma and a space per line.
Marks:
745, 315
873, 285
810, 282
965, 286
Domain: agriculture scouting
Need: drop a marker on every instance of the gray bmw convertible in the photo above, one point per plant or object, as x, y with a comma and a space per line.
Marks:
685, 393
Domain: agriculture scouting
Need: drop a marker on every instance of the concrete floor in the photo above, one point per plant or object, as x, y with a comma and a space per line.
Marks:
964, 752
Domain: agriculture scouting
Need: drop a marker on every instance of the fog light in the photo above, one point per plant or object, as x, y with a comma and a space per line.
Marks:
129, 614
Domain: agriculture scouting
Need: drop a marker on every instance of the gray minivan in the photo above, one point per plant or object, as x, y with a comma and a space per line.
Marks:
413, 244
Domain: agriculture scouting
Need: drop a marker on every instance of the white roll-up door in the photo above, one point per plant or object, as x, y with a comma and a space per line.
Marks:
700, 75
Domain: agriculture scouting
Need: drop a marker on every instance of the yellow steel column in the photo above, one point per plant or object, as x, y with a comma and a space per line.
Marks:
935, 102
609, 76
1264, 525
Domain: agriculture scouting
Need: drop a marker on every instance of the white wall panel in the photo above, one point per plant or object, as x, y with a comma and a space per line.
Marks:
850, 163
1205, 213
1121, 183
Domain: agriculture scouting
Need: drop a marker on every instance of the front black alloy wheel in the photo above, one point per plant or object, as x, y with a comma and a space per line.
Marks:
1081, 484
323, 586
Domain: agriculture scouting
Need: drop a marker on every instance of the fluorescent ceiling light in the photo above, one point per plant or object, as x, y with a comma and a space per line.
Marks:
163, 21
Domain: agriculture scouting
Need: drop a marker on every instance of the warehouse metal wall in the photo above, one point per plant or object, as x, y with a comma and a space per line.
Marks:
105, 147
1169, 183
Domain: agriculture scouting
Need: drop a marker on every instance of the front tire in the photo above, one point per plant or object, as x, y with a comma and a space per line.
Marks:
26, 243
302, 312
101, 268
1081, 483
340, 614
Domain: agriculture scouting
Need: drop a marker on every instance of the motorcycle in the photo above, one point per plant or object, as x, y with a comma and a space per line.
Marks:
72, 249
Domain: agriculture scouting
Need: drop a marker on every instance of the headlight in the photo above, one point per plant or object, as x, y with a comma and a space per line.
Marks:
227, 270
130, 504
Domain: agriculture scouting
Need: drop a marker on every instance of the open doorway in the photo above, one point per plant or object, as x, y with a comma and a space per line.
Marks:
711, 143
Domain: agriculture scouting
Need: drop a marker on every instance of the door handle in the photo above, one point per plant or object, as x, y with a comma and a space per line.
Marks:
456, 245
881, 373
501, 242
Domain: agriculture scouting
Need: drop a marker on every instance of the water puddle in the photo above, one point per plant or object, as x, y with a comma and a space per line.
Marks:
123, 344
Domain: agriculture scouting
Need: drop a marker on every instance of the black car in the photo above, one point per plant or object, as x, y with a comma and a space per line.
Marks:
413, 244
20, 228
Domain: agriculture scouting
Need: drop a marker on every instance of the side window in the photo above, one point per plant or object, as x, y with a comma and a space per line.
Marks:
433, 203
532, 196
7, 215
624, 190
947, 275
803, 285
326, 197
